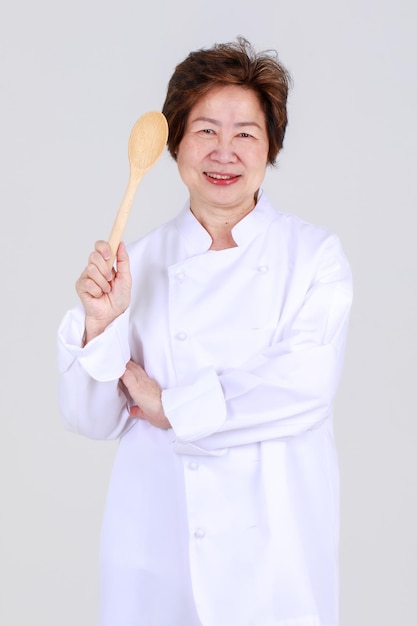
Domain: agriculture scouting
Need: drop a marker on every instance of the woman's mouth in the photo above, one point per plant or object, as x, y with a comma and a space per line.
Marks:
221, 179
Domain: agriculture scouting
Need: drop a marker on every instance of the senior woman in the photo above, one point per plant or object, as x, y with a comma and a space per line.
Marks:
213, 352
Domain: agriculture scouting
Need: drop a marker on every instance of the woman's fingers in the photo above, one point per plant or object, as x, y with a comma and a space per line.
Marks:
96, 277
103, 291
100, 258
102, 281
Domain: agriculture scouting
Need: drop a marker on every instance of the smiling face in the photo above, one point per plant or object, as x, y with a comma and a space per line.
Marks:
223, 154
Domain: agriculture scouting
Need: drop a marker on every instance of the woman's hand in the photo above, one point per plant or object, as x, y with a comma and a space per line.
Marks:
104, 292
146, 393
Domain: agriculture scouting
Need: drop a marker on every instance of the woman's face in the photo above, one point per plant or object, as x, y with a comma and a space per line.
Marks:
223, 154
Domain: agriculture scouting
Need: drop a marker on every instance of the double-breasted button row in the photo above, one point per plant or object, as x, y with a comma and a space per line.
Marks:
199, 532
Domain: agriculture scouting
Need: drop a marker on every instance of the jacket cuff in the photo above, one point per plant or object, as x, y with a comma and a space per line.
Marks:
104, 358
196, 408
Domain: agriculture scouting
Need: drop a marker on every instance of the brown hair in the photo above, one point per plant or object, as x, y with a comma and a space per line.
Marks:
234, 63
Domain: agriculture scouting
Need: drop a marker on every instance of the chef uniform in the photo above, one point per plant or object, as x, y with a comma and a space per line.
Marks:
231, 517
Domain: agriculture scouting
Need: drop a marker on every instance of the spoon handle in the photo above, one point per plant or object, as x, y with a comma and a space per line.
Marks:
120, 220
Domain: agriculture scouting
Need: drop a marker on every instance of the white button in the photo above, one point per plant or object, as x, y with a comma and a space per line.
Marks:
262, 269
199, 533
181, 336
180, 276
192, 465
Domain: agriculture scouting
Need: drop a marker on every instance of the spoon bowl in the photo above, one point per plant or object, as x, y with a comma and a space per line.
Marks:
147, 141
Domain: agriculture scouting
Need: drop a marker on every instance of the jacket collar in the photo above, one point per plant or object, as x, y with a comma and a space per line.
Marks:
197, 240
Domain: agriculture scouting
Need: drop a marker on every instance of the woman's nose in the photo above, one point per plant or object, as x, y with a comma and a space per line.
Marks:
224, 151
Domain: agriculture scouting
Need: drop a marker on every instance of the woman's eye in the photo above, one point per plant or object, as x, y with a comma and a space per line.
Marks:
244, 135
207, 131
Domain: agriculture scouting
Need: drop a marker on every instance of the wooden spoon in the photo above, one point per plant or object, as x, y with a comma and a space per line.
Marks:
147, 141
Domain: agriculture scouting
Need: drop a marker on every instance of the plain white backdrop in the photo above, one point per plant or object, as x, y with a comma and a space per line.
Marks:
75, 76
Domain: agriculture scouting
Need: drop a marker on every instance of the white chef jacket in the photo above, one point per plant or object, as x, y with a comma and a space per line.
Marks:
231, 517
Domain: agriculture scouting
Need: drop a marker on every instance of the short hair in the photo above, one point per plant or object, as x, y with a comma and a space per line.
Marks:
235, 63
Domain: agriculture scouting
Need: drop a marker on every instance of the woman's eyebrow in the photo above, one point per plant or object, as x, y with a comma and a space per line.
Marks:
240, 124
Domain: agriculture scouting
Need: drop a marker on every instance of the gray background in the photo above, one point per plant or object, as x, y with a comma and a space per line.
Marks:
75, 76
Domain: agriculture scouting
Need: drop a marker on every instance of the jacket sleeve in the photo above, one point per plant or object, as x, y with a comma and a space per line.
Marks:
287, 389
91, 399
